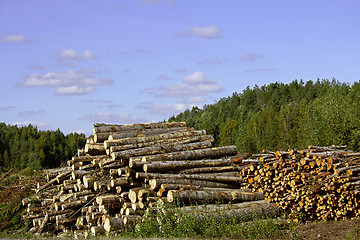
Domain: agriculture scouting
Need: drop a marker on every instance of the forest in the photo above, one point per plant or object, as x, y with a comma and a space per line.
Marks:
282, 116
275, 116
26, 146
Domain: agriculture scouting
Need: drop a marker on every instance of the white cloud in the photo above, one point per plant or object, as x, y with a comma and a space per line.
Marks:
107, 117
210, 61
156, 2
164, 77
193, 85
36, 67
261, 70
69, 54
40, 125
6, 108
74, 90
251, 57
208, 32
165, 110
73, 82
16, 38
180, 70
30, 113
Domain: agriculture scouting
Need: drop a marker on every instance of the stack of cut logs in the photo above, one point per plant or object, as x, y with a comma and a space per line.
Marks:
319, 183
126, 169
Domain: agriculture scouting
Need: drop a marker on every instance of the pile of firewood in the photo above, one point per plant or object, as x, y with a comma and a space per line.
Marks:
319, 183
124, 170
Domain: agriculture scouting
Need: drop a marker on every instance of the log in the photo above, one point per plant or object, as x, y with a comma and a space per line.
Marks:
119, 182
95, 148
138, 133
210, 170
244, 214
156, 183
220, 207
160, 138
113, 224
158, 149
131, 220
108, 199
88, 158
136, 126
74, 204
187, 196
52, 173
207, 177
197, 154
117, 146
57, 179
180, 165
97, 230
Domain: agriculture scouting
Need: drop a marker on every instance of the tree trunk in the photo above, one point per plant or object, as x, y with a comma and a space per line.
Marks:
187, 196
180, 165
166, 148
244, 214
160, 138
135, 126
210, 170
95, 149
210, 153
220, 207
113, 224
142, 133
156, 183
108, 199
207, 177
176, 140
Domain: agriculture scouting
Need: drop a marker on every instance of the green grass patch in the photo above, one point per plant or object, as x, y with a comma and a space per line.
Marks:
169, 222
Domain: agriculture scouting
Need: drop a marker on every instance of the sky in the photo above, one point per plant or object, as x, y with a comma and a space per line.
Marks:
68, 64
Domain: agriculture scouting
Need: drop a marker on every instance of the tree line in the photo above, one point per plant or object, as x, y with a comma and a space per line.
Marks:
26, 146
283, 116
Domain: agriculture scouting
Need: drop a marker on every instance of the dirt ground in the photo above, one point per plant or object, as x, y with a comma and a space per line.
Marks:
331, 230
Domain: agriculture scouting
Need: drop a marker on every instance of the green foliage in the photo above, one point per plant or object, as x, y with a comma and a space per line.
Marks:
10, 215
26, 147
282, 116
170, 222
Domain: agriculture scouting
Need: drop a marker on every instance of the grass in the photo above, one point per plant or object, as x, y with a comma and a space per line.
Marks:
168, 222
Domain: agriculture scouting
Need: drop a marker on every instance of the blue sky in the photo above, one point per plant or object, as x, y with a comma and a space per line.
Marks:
69, 64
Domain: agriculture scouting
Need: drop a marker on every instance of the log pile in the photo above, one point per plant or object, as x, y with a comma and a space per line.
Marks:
124, 170
319, 183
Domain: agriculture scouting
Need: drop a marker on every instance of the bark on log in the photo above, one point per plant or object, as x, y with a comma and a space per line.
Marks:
139, 133
57, 179
187, 196
95, 149
197, 154
156, 183
244, 214
108, 199
206, 177
154, 138
119, 182
97, 230
158, 149
72, 205
136, 126
165, 166
88, 158
210, 170
220, 207
113, 224
177, 140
